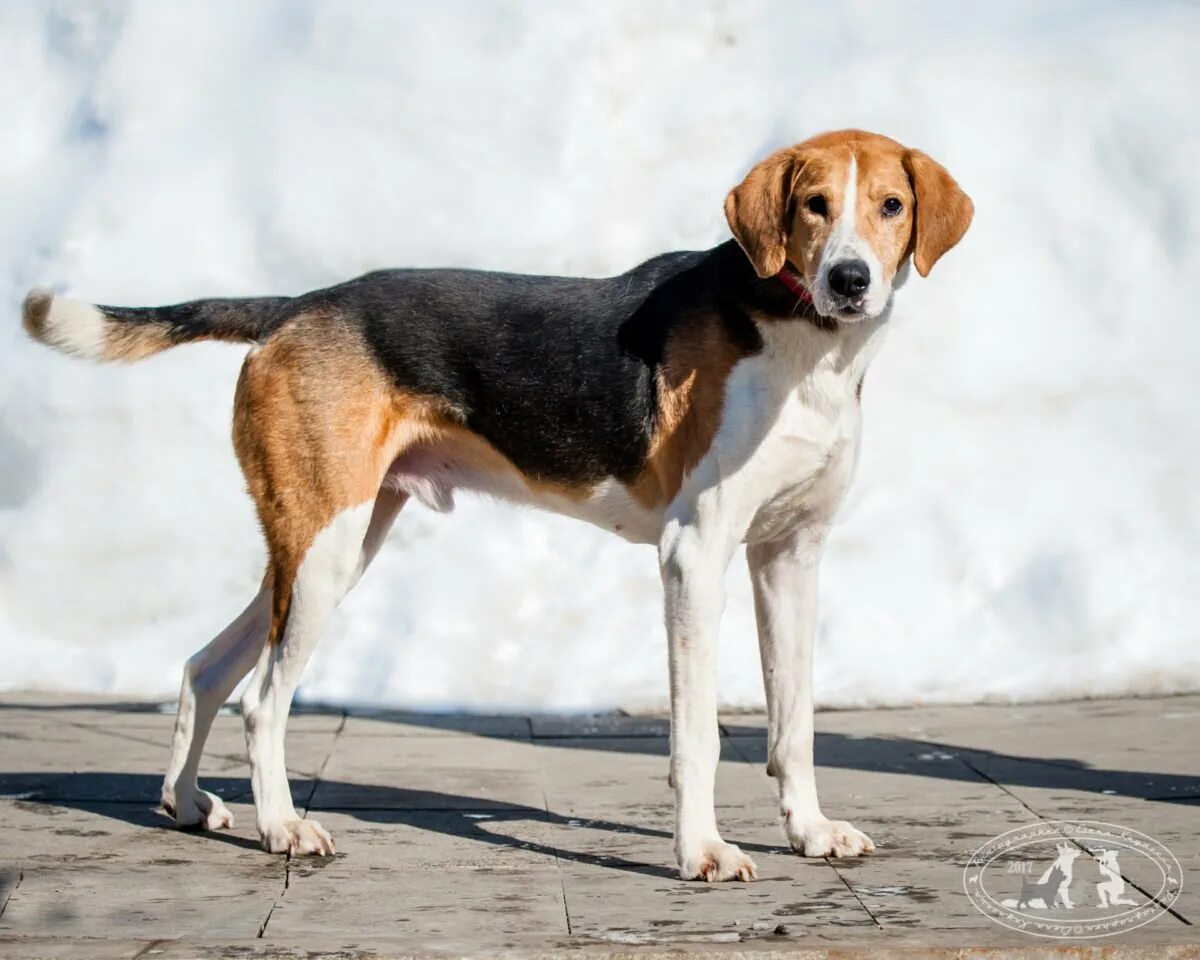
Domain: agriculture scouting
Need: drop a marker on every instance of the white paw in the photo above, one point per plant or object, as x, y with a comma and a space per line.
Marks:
716, 860
198, 810
298, 838
826, 838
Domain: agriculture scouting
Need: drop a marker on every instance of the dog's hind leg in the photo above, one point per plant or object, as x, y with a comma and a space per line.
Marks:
208, 679
325, 575
316, 428
332, 565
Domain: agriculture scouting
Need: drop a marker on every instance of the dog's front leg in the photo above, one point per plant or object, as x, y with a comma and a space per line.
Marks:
784, 575
693, 558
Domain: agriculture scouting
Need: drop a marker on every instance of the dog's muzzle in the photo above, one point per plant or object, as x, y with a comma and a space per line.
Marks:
849, 281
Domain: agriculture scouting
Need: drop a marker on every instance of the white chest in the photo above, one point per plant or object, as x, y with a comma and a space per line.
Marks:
801, 476
787, 447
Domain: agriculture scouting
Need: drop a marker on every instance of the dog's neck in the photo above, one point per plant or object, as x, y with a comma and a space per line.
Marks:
782, 297
791, 279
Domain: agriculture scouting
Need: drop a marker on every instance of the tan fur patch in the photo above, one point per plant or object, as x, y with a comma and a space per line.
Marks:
130, 341
943, 212
34, 312
314, 428
691, 398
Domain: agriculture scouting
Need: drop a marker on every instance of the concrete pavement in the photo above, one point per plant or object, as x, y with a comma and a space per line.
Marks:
466, 835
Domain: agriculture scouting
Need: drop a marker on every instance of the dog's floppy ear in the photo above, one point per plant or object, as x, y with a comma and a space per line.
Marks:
758, 211
943, 211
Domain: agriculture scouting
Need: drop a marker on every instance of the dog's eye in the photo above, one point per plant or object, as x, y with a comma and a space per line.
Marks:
816, 204
892, 206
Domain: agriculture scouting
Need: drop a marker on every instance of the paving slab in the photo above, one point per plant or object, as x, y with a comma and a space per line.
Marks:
399, 840
429, 789
604, 725
401, 723
124, 831
124, 896
580, 781
158, 716
57, 756
430, 773
15, 947
485, 905
651, 905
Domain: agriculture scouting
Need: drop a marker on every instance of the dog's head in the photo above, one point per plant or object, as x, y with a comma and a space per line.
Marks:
1067, 851
846, 210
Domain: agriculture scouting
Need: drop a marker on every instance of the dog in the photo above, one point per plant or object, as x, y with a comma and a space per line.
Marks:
699, 401
1043, 890
1111, 890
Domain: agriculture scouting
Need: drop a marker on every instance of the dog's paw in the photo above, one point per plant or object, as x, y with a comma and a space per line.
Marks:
298, 838
714, 861
826, 838
198, 810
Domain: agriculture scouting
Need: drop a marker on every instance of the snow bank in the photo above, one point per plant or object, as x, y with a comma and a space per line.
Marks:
1025, 520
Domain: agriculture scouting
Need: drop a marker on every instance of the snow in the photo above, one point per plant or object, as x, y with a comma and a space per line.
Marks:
1025, 520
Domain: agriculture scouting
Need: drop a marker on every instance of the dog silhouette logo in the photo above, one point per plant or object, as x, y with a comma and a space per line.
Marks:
1042, 892
1053, 888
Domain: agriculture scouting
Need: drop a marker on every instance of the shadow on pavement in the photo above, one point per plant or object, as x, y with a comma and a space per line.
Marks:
127, 797
621, 734
132, 797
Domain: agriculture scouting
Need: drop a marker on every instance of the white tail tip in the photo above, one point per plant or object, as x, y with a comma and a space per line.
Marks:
69, 325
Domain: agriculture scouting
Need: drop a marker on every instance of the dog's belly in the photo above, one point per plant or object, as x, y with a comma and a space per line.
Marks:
611, 508
433, 473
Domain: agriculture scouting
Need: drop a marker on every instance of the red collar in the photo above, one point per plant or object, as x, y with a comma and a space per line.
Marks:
795, 284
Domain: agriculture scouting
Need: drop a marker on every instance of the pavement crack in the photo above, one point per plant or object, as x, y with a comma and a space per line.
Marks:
152, 945
267, 919
307, 805
854, 893
562, 882
287, 882
8, 894
316, 780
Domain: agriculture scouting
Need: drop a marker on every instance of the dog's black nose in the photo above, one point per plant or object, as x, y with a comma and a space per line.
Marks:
849, 278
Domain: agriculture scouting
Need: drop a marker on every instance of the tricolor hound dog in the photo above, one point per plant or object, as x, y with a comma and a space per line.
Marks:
699, 401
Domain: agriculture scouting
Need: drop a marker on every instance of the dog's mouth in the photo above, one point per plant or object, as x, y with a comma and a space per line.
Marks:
845, 309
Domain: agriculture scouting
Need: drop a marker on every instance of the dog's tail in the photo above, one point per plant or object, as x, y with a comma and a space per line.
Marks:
131, 333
